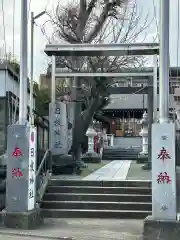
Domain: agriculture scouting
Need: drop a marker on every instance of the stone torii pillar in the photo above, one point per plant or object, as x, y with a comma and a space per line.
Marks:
148, 165
163, 224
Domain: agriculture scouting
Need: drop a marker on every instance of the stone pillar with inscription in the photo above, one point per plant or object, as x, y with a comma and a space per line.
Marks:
58, 128
21, 209
58, 132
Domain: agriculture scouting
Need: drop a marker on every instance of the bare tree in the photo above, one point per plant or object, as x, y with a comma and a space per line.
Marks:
98, 21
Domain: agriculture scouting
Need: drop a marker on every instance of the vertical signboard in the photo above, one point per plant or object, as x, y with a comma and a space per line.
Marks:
32, 168
17, 168
58, 128
163, 171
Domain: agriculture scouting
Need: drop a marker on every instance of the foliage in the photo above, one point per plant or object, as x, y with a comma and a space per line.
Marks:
13, 62
42, 100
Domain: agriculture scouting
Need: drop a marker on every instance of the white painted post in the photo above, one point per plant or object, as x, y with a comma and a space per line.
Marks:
144, 134
155, 86
91, 133
163, 135
23, 64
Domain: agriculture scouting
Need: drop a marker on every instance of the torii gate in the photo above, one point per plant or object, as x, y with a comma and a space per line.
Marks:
105, 50
169, 212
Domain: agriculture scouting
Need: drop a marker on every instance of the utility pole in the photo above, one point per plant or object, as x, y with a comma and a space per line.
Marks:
23, 64
21, 166
32, 64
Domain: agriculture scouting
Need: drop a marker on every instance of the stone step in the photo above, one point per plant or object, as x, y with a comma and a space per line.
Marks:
119, 158
121, 151
91, 213
96, 205
96, 183
90, 189
122, 148
97, 197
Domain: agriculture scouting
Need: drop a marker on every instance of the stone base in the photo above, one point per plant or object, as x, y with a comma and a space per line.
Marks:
22, 220
91, 158
142, 158
147, 166
161, 229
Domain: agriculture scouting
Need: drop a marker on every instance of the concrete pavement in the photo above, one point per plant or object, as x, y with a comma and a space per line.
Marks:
80, 229
113, 171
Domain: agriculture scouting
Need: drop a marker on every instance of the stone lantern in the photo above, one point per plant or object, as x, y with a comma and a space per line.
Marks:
143, 155
105, 138
91, 155
91, 133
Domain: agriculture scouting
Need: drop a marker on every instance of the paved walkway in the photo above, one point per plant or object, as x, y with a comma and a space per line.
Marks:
79, 229
137, 173
115, 171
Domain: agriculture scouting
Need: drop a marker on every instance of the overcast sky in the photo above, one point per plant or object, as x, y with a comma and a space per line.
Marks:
40, 60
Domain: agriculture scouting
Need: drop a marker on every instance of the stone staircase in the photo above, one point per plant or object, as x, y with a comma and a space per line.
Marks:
97, 199
120, 153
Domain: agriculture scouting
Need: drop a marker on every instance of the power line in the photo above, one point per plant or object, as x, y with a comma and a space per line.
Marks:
4, 28
156, 22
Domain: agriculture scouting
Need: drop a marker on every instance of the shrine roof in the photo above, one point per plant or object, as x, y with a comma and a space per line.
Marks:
134, 101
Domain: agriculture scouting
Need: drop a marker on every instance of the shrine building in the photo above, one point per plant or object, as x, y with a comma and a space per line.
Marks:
129, 100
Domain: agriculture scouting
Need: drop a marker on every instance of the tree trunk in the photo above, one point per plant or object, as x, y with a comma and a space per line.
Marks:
84, 122
77, 154
76, 147
77, 158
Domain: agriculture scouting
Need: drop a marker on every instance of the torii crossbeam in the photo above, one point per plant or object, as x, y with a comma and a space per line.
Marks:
102, 49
